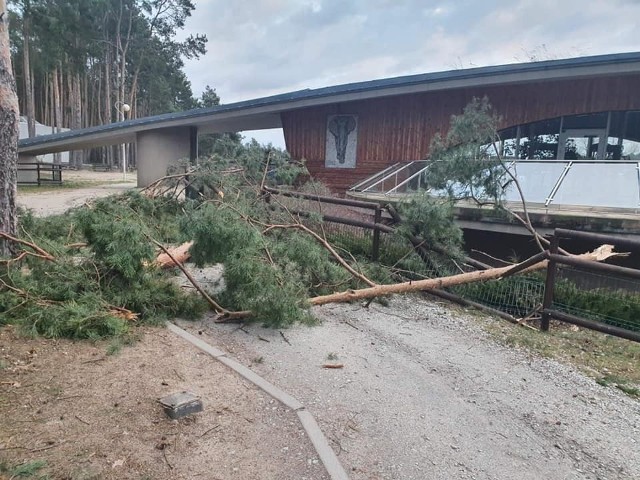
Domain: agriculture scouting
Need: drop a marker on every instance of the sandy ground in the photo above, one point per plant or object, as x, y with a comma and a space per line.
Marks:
89, 415
54, 201
426, 394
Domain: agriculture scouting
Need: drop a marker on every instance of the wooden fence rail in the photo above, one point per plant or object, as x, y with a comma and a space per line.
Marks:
39, 174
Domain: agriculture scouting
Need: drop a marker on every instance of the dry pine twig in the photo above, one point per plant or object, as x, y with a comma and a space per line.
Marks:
39, 252
333, 365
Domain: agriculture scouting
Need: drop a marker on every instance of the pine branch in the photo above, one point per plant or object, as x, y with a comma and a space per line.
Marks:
326, 245
40, 252
223, 313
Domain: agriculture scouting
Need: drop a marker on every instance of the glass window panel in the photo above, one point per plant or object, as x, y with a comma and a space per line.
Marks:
632, 126
630, 150
509, 148
614, 148
577, 148
536, 180
600, 185
593, 120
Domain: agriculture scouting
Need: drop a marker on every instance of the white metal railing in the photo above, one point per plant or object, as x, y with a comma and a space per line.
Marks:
604, 183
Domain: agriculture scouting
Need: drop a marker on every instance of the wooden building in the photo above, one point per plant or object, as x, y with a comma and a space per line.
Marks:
593, 98
588, 107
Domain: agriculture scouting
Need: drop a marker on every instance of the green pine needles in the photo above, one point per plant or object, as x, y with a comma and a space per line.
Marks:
103, 269
87, 290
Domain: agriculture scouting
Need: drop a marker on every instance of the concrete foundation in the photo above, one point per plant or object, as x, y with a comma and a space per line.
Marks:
157, 149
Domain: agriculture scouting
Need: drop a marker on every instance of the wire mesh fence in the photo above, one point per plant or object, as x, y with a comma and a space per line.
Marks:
609, 299
604, 298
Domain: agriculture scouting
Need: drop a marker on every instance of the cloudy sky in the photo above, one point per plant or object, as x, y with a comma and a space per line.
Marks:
263, 47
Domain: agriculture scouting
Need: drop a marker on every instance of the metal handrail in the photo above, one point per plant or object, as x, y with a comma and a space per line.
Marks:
419, 172
395, 172
369, 179
555, 188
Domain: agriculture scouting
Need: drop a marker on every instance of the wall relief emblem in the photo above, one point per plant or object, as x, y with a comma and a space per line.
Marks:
342, 136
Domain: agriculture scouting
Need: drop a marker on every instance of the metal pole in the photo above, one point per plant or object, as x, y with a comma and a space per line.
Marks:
122, 108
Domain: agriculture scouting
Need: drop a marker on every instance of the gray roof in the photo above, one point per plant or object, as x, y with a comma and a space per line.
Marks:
265, 112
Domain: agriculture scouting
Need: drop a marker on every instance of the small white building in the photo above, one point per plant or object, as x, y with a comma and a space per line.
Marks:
43, 130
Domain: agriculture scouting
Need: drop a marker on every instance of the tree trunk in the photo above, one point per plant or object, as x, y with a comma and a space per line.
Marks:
26, 70
600, 254
45, 103
9, 119
108, 99
77, 112
57, 112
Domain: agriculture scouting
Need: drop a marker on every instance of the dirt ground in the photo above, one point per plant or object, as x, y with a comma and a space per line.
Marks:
52, 200
89, 415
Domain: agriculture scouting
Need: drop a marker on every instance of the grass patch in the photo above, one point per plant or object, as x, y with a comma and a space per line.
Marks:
26, 470
619, 383
611, 361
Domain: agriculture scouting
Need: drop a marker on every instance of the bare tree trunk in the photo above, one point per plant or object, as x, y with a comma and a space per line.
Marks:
77, 117
73, 100
57, 111
600, 254
45, 103
9, 119
26, 69
107, 98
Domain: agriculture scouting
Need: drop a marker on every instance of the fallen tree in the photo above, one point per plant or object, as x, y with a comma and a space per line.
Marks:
277, 263
601, 254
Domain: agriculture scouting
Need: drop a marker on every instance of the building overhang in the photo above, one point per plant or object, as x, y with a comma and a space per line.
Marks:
264, 113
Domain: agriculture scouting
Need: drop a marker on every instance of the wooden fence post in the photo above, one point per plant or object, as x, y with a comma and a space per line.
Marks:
375, 247
549, 284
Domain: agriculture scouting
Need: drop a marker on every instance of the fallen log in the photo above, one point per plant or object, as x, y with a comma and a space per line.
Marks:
600, 254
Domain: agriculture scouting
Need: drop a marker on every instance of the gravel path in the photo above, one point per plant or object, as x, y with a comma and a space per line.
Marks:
425, 393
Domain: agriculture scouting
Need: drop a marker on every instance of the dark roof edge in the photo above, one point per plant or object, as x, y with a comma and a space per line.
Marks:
350, 88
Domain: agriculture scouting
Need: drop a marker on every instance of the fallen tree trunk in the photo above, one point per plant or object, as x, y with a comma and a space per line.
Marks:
180, 253
600, 254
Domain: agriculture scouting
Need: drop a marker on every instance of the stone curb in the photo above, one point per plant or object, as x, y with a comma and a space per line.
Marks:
319, 441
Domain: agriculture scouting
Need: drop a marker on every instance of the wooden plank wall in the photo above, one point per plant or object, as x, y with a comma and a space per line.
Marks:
400, 128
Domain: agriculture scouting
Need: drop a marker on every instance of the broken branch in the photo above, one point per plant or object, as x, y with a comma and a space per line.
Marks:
40, 252
600, 254
326, 245
193, 281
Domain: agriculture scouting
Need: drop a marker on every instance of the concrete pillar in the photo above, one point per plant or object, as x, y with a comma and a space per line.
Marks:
157, 149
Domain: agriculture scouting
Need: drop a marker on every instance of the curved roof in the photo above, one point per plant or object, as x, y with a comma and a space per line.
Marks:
265, 112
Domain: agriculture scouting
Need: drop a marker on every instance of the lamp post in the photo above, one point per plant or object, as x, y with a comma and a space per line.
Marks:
122, 109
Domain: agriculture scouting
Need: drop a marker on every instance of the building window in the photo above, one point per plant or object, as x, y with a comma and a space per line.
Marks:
596, 136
